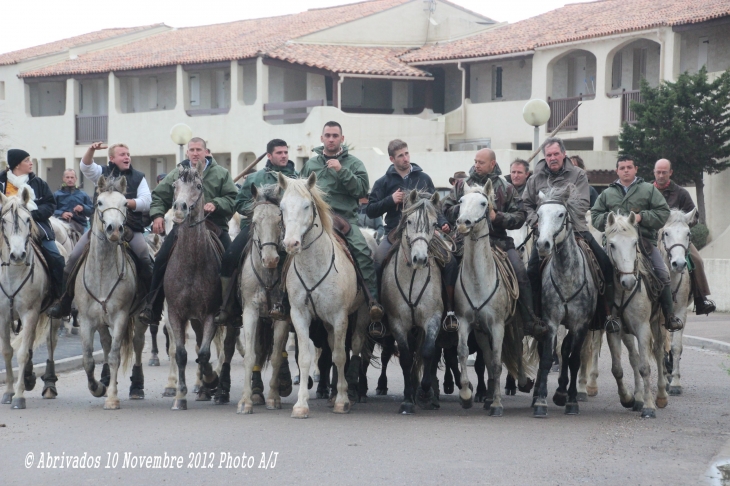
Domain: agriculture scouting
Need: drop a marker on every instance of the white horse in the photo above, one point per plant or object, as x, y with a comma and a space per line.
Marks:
674, 247
483, 302
24, 284
104, 293
633, 281
524, 244
316, 289
66, 236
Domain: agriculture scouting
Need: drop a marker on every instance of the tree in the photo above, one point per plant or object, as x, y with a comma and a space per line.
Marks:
687, 122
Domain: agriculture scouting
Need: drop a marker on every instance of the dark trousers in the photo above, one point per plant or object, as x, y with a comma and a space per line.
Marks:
232, 256
56, 264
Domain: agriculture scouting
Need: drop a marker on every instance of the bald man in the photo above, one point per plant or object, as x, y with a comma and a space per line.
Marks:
678, 198
507, 214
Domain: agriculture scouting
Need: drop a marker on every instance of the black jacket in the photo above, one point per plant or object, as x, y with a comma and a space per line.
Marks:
381, 201
43, 199
136, 221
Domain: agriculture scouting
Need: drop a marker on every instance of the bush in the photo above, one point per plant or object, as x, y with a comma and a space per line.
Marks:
698, 235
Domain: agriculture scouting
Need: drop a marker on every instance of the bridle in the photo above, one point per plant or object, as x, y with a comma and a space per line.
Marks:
100, 216
566, 220
28, 261
260, 246
668, 251
480, 219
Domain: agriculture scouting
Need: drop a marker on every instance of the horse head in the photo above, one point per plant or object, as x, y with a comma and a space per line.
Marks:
111, 207
675, 238
555, 215
17, 225
418, 223
474, 207
301, 205
622, 243
266, 223
188, 193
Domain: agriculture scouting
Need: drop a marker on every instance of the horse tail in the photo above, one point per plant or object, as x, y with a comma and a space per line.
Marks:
530, 357
126, 350
265, 337
511, 350
41, 332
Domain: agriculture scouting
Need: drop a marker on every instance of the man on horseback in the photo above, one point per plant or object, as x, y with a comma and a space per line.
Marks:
277, 153
219, 204
343, 179
555, 170
12, 181
72, 204
507, 214
630, 193
519, 172
677, 197
138, 204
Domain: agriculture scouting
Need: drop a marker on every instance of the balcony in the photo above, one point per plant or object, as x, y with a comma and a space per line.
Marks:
627, 114
91, 128
299, 107
559, 109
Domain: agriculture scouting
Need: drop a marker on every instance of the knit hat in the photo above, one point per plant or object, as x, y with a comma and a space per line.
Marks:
15, 157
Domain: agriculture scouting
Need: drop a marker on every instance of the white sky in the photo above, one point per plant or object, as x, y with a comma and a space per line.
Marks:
33, 22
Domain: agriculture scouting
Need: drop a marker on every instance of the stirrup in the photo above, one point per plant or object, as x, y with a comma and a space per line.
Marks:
450, 323
673, 323
537, 329
612, 325
278, 313
376, 329
708, 306
145, 317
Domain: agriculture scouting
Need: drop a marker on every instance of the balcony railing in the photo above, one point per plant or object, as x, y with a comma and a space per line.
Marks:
208, 111
285, 106
627, 114
559, 109
91, 128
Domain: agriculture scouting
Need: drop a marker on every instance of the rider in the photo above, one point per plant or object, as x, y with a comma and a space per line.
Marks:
12, 181
556, 171
138, 204
507, 214
220, 195
631, 194
678, 198
519, 172
343, 179
577, 161
277, 153
388, 195
72, 204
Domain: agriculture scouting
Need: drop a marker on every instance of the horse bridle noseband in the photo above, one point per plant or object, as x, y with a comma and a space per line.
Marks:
668, 251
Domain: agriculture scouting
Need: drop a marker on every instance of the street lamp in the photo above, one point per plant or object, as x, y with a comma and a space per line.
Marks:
536, 113
181, 135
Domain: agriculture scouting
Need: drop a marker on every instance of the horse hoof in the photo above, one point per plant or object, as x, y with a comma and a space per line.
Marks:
245, 409
555, 368
638, 406
18, 403
648, 413
527, 388
381, 391
136, 394
272, 404
449, 387
560, 398
571, 409
74, 331
49, 392
203, 395
258, 399
7, 398
540, 411
342, 407
100, 390
496, 411
315, 378
180, 404
29, 382
592, 391
112, 404
466, 402
406, 409
222, 398
510, 391
424, 399
629, 404
534, 400
196, 389
480, 397
296, 380
673, 390
170, 392
582, 397
154, 361
300, 412
661, 402
285, 389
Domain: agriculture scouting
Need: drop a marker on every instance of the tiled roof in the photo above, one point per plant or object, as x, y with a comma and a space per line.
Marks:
575, 22
64, 44
221, 42
348, 59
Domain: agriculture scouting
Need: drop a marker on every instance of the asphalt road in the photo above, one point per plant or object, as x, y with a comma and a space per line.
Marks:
605, 444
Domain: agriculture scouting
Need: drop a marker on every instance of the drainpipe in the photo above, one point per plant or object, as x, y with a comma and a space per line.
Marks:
339, 91
463, 107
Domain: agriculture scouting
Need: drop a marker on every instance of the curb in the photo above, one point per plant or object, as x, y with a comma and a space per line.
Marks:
65, 364
704, 343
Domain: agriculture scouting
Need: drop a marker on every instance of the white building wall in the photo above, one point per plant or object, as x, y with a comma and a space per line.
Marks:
718, 49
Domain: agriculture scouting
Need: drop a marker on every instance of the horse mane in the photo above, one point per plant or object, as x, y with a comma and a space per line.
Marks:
469, 189
188, 174
266, 194
14, 202
622, 226
317, 196
676, 216
567, 196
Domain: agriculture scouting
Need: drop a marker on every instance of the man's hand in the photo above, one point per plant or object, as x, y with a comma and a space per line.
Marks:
79, 209
131, 204
492, 214
67, 216
638, 218
209, 208
158, 225
446, 228
98, 146
398, 196
334, 164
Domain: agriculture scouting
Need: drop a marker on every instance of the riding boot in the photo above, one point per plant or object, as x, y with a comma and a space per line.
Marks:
152, 312
451, 323
532, 325
226, 310
376, 328
612, 324
671, 322
703, 305
62, 308
145, 275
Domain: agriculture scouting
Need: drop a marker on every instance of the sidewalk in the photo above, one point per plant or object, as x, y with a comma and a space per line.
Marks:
710, 332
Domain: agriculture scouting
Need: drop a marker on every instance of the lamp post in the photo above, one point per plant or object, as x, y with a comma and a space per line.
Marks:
181, 135
536, 113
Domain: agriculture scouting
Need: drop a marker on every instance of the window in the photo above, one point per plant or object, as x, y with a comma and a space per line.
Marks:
194, 81
639, 67
81, 97
702, 52
617, 70
497, 82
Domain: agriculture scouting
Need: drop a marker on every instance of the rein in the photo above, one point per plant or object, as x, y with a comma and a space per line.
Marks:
409, 299
260, 246
668, 251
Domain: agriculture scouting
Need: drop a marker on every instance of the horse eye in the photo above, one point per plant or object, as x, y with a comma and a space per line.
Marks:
611, 245
98, 204
561, 215
410, 222
484, 204
199, 186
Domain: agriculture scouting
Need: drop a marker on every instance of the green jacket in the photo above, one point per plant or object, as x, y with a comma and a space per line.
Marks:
218, 188
642, 198
267, 175
343, 189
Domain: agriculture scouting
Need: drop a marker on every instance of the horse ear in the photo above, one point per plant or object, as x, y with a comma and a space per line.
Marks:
488, 188
200, 166
101, 184
123, 185
632, 218
689, 217
611, 219
435, 198
3, 200
311, 180
413, 196
25, 196
282, 181
254, 191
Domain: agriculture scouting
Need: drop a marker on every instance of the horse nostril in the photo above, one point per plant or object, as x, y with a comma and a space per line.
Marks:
22, 255
121, 228
467, 222
184, 206
109, 228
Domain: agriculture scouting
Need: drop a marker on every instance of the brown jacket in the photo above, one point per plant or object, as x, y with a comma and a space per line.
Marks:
678, 198
542, 180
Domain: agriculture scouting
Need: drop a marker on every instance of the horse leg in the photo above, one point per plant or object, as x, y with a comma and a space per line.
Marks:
8, 356
546, 361
250, 329
301, 319
280, 383
614, 346
136, 389
644, 340
425, 396
296, 360
315, 364
451, 374
355, 366
675, 388
495, 366
154, 352
325, 369
339, 356
630, 343
118, 331
257, 383
105, 338
223, 392
49, 377
586, 352
208, 374
485, 345
386, 353
658, 332
571, 407
466, 397
362, 385
406, 363
171, 387
566, 346
178, 327
479, 368
26, 377
596, 342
